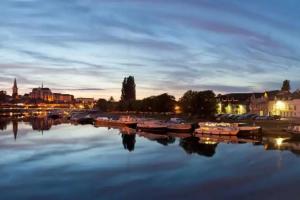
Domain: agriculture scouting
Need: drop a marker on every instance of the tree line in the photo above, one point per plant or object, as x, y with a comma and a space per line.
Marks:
196, 103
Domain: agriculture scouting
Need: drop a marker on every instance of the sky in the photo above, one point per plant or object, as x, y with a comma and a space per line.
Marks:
87, 47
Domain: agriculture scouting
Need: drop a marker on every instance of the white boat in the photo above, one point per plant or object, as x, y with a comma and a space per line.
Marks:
245, 127
152, 126
177, 125
122, 121
217, 128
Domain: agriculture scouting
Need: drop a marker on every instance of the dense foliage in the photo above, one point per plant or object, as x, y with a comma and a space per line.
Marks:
128, 89
202, 104
160, 103
198, 103
286, 86
106, 105
2, 96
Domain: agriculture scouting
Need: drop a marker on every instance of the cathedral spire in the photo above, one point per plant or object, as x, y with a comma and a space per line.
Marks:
15, 90
15, 82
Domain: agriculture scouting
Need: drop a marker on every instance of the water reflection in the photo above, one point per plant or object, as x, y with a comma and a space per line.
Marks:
41, 124
291, 144
15, 128
3, 124
94, 163
37, 124
204, 145
164, 140
128, 142
193, 145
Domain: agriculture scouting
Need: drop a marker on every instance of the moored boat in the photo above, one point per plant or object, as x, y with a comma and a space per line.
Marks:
217, 128
177, 125
227, 128
122, 121
152, 126
180, 128
247, 128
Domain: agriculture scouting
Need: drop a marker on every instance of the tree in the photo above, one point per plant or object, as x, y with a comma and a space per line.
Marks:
286, 86
202, 104
128, 89
111, 99
160, 103
102, 105
164, 103
106, 105
2, 96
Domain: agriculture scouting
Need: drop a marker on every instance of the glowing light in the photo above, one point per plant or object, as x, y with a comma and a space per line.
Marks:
177, 109
81, 106
228, 109
279, 141
219, 109
280, 105
241, 109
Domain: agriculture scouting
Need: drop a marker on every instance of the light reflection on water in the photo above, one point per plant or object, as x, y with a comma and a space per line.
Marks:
42, 159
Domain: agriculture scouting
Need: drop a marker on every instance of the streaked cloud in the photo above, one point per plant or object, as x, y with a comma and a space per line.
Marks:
86, 47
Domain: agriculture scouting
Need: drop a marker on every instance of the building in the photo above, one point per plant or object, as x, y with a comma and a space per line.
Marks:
46, 95
259, 102
63, 98
235, 103
41, 93
15, 90
85, 100
281, 103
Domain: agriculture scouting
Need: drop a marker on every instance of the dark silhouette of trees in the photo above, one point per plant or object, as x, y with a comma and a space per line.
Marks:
160, 103
128, 96
286, 86
192, 145
2, 96
202, 104
128, 142
102, 104
106, 105
128, 89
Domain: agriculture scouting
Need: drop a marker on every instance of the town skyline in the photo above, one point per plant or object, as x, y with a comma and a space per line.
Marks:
10, 91
87, 47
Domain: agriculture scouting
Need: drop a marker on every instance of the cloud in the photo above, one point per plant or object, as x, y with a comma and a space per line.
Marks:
88, 47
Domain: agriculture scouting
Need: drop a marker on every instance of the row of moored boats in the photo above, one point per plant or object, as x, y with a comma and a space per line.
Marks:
173, 125
176, 125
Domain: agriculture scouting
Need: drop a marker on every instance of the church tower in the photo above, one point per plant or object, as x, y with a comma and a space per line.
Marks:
15, 90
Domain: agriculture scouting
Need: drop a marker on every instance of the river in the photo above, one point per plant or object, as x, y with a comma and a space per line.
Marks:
42, 159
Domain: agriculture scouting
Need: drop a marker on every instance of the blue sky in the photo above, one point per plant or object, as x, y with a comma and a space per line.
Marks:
86, 47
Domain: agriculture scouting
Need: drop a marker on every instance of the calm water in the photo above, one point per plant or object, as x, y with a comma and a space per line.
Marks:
47, 160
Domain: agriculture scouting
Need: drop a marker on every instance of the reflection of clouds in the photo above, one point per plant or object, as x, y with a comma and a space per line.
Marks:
79, 162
